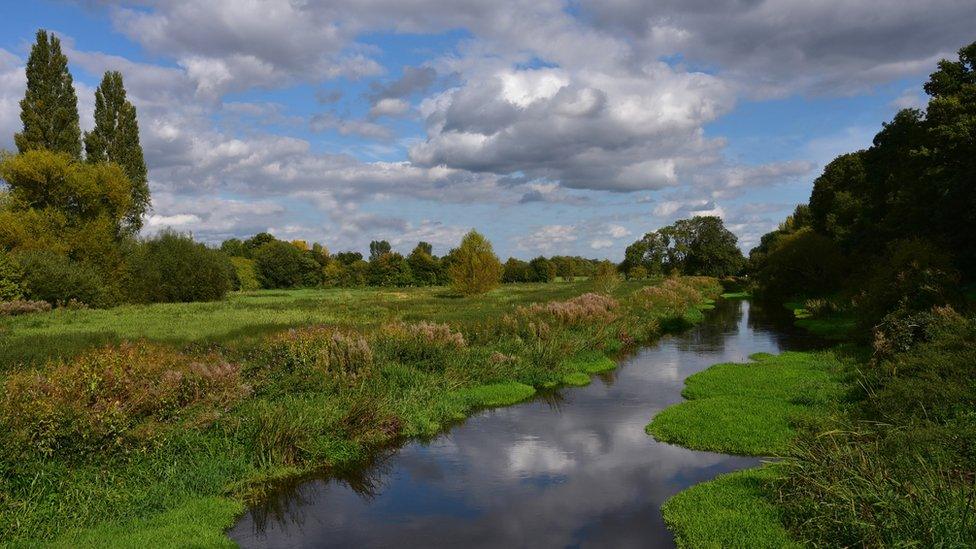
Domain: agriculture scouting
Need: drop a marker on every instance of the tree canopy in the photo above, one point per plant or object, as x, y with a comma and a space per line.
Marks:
49, 110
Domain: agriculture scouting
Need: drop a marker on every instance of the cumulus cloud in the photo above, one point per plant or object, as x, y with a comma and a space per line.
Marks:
778, 47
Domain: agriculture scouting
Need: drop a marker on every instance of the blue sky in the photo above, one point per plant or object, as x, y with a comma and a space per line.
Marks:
553, 127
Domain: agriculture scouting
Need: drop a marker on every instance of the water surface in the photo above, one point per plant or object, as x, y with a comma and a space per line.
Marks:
572, 468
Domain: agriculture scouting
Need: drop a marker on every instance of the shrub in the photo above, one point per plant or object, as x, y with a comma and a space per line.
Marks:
474, 268
22, 307
672, 297
105, 398
914, 275
637, 273
588, 308
426, 345
10, 278
280, 265
804, 263
310, 359
245, 274
606, 278
58, 280
171, 267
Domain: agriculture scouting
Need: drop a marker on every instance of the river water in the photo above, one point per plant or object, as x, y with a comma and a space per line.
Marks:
572, 468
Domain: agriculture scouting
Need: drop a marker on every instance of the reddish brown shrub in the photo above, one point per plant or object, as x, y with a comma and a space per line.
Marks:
100, 399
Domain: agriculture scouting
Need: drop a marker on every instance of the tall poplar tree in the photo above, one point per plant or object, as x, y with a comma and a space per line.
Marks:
49, 109
115, 138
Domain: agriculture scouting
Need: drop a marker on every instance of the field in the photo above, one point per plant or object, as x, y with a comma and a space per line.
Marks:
152, 414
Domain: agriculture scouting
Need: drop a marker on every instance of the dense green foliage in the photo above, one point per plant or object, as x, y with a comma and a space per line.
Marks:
474, 268
53, 278
886, 243
171, 267
115, 138
49, 109
170, 430
697, 246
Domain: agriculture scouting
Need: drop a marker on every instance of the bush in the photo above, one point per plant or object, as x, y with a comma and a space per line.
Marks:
802, 263
426, 345
10, 278
588, 308
56, 279
914, 276
21, 307
171, 267
281, 265
474, 268
637, 273
310, 359
673, 297
109, 397
605, 279
245, 274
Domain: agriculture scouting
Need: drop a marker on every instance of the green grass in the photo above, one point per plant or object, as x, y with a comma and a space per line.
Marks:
736, 295
731, 511
834, 326
185, 484
576, 379
749, 409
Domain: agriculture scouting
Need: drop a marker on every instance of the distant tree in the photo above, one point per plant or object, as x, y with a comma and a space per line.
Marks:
256, 241
543, 270
49, 110
348, 258
425, 267
605, 278
11, 277
650, 252
474, 268
516, 270
245, 274
115, 138
637, 273
280, 265
171, 267
320, 253
233, 247
390, 269
378, 248
301, 245
803, 263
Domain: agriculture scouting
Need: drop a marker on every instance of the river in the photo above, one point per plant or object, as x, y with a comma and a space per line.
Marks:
572, 468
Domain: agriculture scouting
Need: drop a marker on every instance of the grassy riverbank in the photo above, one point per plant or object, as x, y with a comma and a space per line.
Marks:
750, 409
107, 443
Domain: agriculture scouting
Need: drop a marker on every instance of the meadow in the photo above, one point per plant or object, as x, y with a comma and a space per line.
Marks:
170, 419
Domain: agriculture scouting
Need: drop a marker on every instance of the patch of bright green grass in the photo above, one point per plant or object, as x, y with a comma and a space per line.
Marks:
590, 363
733, 510
497, 394
198, 523
576, 379
736, 295
749, 408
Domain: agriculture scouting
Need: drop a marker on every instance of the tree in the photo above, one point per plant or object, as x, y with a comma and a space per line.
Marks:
115, 138
475, 269
697, 246
605, 278
543, 270
378, 248
389, 269
280, 265
49, 110
425, 267
803, 263
59, 204
233, 247
171, 267
256, 241
516, 270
